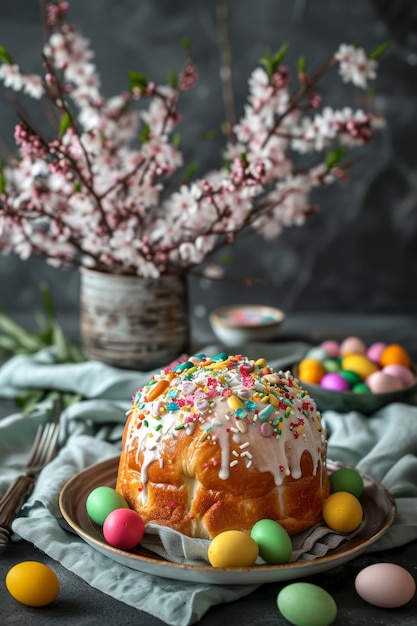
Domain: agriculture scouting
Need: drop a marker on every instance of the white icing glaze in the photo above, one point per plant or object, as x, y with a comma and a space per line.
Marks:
201, 394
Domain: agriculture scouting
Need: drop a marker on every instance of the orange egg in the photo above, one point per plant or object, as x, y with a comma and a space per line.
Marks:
311, 371
394, 353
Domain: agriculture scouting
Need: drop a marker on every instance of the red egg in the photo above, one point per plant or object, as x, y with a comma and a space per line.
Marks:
123, 528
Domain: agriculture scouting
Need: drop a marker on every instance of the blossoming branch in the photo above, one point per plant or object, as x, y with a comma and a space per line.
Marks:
100, 192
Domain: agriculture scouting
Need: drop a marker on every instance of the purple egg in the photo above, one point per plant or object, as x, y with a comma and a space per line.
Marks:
334, 382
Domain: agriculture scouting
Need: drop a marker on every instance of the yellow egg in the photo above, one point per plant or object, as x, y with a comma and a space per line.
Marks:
359, 364
342, 512
233, 548
32, 583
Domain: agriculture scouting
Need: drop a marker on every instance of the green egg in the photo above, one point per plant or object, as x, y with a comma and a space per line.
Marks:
331, 365
273, 541
352, 377
347, 479
305, 604
102, 501
361, 388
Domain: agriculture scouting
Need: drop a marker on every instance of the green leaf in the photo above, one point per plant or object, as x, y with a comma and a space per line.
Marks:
301, 64
190, 171
47, 303
23, 338
176, 140
77, 187
378, 52
186, 44
272, 62
2, 178
145, 133
64, 123
28, 400
137, 80
5, 56
210, 134
172, 79
333, 157
280, 54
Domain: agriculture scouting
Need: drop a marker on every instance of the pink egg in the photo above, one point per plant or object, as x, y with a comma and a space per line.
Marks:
334, 382
401, 372
331, 347
123, 528
379, 382
386, 585
375, 350
352, 344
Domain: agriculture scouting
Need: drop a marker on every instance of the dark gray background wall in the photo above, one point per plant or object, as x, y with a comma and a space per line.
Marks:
359, 253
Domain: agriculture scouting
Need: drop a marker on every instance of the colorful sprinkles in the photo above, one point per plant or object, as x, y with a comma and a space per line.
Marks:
228, 396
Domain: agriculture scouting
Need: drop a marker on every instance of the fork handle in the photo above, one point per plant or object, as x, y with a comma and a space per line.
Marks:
11, 503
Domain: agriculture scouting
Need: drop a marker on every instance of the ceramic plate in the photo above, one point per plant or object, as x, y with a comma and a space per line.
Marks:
379, 513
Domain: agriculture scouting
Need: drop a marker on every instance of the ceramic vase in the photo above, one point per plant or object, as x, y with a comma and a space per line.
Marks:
132, 322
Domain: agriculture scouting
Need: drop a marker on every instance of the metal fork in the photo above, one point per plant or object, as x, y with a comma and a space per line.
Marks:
43, 450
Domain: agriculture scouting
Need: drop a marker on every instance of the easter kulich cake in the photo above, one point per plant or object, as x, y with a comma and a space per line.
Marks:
213, 444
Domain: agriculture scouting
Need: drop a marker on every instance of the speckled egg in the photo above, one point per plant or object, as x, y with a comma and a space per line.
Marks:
375, 350
352, 345
386, 585
32, 583
379, 382
404, 374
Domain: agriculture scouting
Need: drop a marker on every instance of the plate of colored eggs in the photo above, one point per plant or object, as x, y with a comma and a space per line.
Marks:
353, 376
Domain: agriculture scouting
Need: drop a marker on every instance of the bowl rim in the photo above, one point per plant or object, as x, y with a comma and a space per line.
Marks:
216, 316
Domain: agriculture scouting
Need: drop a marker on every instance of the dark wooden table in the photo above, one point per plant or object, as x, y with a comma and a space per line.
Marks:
80, 604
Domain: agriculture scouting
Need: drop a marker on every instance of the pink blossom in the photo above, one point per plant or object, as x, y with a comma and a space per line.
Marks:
108, 191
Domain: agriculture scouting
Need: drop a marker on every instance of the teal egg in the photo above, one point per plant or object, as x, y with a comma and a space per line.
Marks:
305, 604
347, 479
273, 541
102, 501
319, 354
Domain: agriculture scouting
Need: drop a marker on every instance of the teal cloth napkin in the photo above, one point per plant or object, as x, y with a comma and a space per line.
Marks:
383, 445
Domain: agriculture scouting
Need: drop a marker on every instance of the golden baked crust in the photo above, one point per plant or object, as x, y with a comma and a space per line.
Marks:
220, 444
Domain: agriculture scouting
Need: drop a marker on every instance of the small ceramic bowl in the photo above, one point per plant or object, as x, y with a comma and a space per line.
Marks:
366, 403
243, 323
